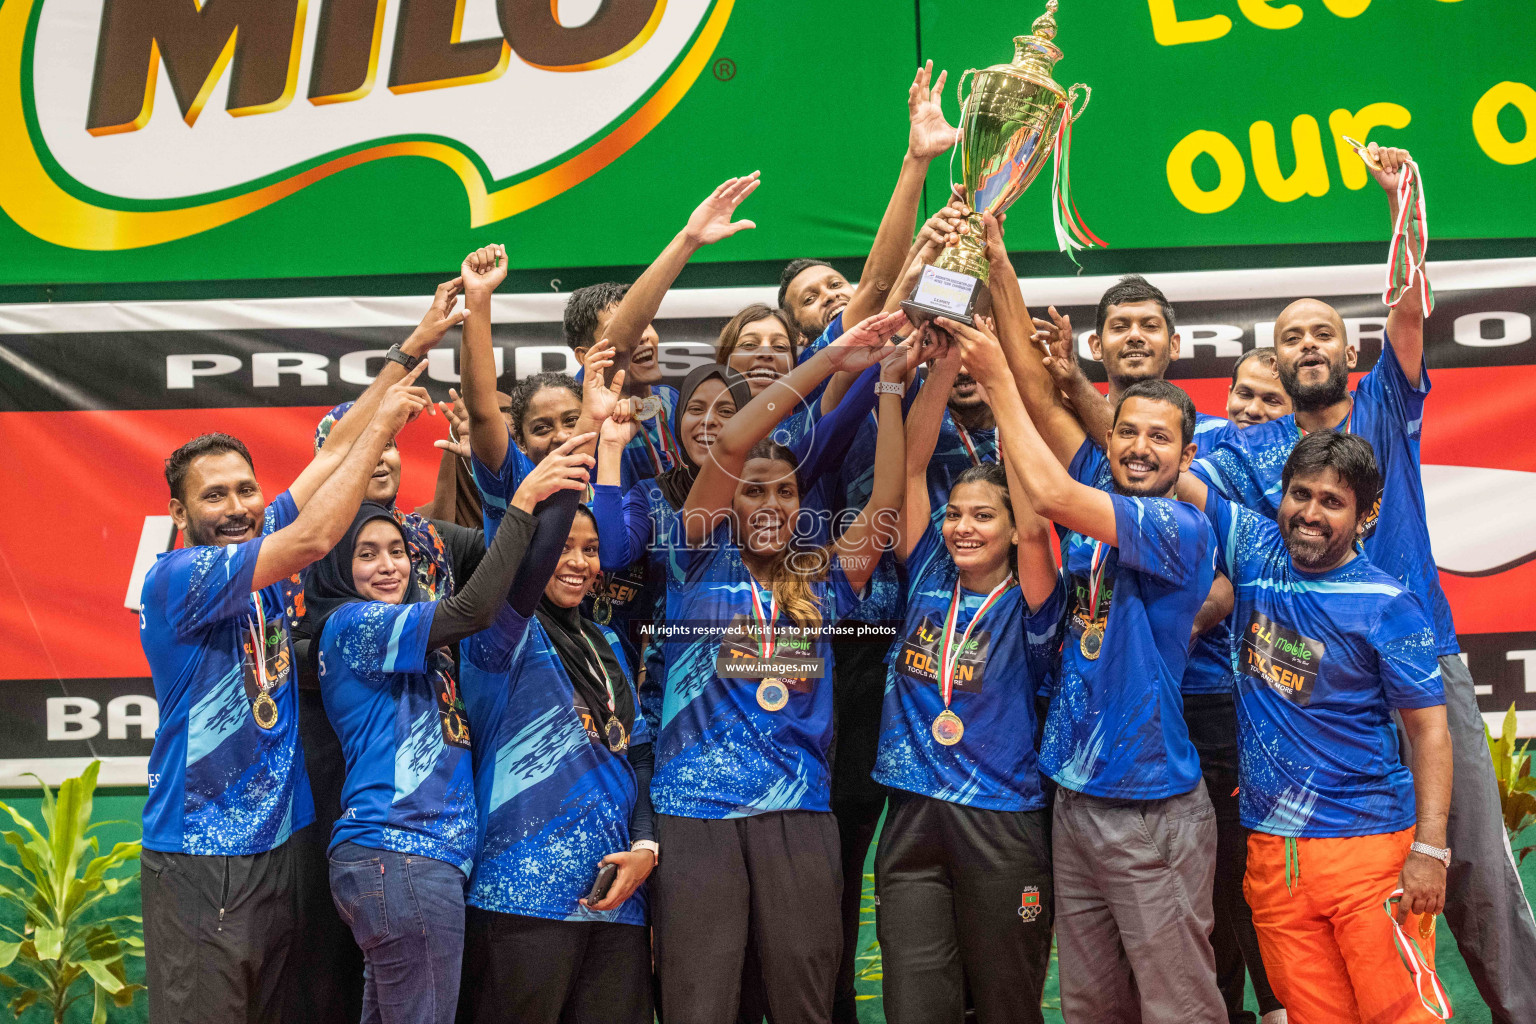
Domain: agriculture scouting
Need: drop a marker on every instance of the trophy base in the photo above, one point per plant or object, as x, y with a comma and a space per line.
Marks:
945, 293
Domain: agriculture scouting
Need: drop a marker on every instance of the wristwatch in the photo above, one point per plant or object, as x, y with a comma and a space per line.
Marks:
647, 844
397, 355
1443, 856
890, 387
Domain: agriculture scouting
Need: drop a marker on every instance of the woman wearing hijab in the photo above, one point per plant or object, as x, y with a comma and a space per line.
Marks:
402, 849
562, 781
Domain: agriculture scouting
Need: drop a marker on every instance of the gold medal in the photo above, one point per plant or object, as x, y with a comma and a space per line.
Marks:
602, 609
772, 694
618, 739
948, 728
1092, 642
264, 710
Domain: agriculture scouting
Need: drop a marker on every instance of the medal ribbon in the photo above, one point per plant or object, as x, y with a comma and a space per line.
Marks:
601, 670
949, 651
1410, 242
966, 442
1071, 232
1418, 965
765, 641
257, 627
1348, 419
669, 455
1096, 580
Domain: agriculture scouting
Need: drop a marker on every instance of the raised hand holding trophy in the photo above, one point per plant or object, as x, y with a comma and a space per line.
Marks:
1013, 119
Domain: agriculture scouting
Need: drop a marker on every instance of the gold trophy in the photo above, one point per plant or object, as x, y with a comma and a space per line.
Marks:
1009, 127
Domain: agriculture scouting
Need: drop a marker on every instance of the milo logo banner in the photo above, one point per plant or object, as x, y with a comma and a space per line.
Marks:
179, 140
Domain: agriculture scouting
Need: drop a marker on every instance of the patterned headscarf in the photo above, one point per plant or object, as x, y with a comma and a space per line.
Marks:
429, 558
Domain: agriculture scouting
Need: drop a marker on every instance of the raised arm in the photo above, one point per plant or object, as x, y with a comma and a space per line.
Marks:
1092, 410
709, 223
929, 136
324, 519
483, 270
923, 423
1015, 330
878, 527
1405, 321
1051, 490
440, 316
474, 605
716, 483
1036, 565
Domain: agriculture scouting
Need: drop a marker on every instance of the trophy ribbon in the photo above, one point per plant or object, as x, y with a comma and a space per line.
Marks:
1410, 234
1418, 965
1071, 231
947, 727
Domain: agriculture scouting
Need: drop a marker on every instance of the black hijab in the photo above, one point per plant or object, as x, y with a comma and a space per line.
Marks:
330, 580
676, 482
574, 640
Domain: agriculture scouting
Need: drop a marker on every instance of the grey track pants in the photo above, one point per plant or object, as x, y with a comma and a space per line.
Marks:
1133, 909
1484, 903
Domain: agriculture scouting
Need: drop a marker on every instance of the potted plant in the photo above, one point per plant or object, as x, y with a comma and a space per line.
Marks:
66, 936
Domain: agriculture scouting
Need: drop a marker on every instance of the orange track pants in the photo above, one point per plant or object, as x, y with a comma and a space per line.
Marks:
1327, 944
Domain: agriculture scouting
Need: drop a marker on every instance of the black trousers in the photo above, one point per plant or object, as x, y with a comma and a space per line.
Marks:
963, 900
218, 936
328, 972
530, 970
774, 877
1212, 721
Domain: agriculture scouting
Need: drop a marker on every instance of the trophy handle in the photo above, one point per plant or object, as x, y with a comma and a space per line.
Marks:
1072, 94
961, 96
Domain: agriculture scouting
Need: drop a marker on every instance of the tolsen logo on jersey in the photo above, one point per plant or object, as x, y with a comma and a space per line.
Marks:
918, 658
1281, 657
740, 656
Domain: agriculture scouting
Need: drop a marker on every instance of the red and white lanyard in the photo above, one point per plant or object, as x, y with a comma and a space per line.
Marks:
949, 651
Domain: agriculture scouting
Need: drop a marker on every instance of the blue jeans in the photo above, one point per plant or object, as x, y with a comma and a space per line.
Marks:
407, 914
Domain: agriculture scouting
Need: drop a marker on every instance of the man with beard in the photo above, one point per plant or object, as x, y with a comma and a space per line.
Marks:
1330, 647
1136, 339
1133, 833
227, 778
1485, 904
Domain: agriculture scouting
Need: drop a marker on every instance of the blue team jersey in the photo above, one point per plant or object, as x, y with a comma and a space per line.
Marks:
1210, 660
1004, 663
653, 450
1115, 727
1389, 413
1321, 661
720, 754
403, 729
553, 799
496, 486
219, 782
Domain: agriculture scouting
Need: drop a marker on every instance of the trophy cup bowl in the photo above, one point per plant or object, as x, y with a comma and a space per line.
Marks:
1008, 128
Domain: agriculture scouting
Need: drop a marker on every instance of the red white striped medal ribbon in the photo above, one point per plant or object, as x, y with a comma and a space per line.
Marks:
947, 727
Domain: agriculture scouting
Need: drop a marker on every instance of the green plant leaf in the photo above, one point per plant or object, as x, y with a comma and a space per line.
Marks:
48, 940
8, 951
99, 1006
101, 975
125, 996
23, 1001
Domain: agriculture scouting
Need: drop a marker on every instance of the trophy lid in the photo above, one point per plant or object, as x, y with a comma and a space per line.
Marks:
1036, 52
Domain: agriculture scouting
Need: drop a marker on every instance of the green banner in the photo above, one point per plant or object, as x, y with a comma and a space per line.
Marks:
163, 140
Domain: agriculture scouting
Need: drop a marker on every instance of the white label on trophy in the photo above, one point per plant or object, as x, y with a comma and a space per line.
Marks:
944, 290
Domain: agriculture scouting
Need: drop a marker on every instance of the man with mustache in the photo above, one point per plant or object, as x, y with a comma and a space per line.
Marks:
1134, 833
1485, 904
1136, 338
1330, 647
227, 782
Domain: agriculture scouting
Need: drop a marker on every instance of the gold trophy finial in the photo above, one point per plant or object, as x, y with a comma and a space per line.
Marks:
1045, 25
